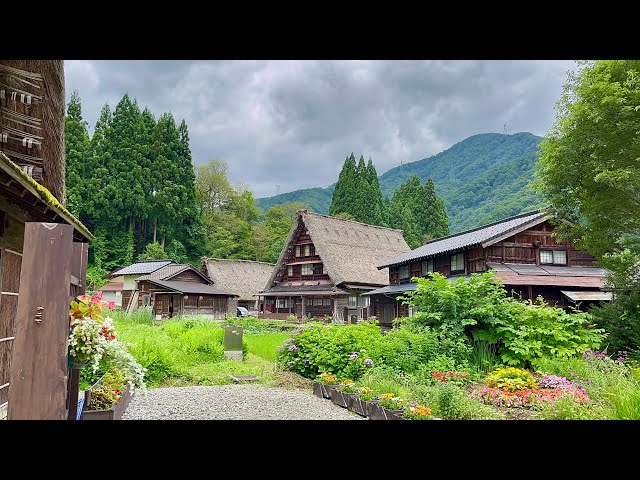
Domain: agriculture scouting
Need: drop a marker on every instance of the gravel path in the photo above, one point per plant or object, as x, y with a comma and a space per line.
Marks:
232, 402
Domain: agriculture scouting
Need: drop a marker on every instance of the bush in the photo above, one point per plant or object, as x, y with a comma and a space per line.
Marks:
450, 402
345, 350
255, 325
480, 309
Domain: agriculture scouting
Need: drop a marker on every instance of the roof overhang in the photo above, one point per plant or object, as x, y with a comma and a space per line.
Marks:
587, 296
17, 187
302, 293
393, 289
514, 231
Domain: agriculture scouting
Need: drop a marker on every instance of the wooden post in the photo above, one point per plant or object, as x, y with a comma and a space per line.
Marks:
304, 312
39, 366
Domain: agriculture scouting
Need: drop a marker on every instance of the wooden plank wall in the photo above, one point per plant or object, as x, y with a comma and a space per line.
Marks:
188, 276
39, 365
10, 263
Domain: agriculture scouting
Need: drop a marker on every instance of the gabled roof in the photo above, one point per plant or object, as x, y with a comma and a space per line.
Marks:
112, 287
169, 271
350, 251
142, 268
484, 236
191, 287
245, 278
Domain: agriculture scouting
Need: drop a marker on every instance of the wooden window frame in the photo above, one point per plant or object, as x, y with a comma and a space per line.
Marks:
457, 270
429, 269
553, 255
401, 269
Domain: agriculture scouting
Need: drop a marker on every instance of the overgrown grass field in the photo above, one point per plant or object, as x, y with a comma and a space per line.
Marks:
189, 350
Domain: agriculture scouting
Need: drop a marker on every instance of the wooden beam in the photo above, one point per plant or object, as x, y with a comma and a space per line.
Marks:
39, 366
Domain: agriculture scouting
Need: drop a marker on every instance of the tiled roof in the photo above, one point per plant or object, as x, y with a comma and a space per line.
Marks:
517, 274
191, 287
164, 272
478, 236
142, 268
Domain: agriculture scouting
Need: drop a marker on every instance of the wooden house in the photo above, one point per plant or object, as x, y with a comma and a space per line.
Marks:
129, 274
43, 247
521, 249
326, 265
112, 291
180, 289
244, 278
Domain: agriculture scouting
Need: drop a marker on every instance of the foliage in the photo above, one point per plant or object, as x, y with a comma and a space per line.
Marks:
109, 391
357, 193
529, 397
450, 402
255, 325
347, 386
327, 378
621, 317
391, 401
418, 212
484, 355
510, 379
76, 143
457, 378
594, 138
415, 411
479, 308
319, 347
365, 393
153, 251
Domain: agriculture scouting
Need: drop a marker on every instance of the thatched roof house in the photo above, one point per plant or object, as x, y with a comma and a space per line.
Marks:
327, 263
244, 278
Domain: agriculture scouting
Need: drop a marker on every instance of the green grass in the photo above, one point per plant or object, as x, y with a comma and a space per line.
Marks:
189, 350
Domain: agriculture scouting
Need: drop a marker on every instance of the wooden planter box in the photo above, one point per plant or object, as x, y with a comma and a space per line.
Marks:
322, 390
357, 405
114, 413
339, 398
377, 412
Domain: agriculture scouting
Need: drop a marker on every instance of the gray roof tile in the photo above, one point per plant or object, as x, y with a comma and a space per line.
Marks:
142, 268
466, 239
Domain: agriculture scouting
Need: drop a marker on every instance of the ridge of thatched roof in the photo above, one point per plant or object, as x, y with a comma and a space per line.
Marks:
244, 278
350, 250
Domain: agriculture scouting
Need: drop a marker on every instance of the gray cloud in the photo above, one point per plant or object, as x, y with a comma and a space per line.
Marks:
292, 123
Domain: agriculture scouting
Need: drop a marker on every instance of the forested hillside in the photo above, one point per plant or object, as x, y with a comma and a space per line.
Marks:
481, 179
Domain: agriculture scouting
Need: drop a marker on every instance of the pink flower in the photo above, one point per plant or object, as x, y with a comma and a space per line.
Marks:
111, 305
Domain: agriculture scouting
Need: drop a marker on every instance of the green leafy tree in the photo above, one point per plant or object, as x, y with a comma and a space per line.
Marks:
344, 195
590, 175
153, 251
589, 168
76, 143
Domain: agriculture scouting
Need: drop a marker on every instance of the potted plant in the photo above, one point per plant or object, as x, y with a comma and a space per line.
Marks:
389, 407
358, 402
415, 411
340, 395
323, 385
108, 398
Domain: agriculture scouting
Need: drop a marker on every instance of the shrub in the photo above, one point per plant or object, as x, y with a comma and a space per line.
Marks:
346, 350
479, 308
451, 402
511, 379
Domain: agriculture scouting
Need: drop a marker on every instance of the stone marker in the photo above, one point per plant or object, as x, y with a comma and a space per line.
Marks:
233, 343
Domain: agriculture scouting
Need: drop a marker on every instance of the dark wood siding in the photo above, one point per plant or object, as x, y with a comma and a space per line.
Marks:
189, 276
301, 238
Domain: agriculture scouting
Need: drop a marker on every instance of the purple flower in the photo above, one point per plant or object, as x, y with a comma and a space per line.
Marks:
353, 355
368, 362
292, 348
290, 363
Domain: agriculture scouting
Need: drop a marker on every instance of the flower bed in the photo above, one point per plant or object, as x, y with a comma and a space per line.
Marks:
108, 398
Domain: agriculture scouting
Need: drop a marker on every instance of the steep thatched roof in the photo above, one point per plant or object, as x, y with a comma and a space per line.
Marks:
349, 250
242, 277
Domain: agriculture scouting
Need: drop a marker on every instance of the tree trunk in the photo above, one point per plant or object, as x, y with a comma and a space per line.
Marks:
155, 225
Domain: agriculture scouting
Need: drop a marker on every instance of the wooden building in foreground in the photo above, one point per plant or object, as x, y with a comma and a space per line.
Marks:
180, 289
521, 249
326, 265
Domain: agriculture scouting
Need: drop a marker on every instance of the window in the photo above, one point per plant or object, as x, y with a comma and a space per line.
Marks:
457, 262
324, 269
297, 250
363, 301
353, 301
317, 302
553, 257
326, 302
427, 267
282, 303
290, 270
307, 269
307, 250
404, 271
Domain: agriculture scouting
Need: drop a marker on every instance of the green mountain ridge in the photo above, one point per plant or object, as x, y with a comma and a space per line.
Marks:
481, 179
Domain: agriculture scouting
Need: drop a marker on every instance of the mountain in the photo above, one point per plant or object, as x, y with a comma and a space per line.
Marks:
481, 179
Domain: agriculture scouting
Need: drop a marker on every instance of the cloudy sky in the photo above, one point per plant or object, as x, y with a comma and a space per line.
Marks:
284, 125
